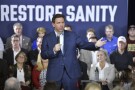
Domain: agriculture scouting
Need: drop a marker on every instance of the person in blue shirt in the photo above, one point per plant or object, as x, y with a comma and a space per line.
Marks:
111, 44
41, 31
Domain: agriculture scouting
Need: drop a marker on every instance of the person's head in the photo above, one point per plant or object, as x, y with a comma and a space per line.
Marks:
131, 31
41, 31
58, 22
93, 86
102, 55
39, 42
21, 57
121, 43
17, 27
68, 28
15, 41
109, 31
50, 86
12, 84
90, 33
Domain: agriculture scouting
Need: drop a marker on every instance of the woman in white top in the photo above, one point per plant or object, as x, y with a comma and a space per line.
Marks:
102, 72
21, 71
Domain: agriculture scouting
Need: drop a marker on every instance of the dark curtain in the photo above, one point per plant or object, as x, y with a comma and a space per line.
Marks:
131, 12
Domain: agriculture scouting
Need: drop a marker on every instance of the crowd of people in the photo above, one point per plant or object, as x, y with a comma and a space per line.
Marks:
61, 60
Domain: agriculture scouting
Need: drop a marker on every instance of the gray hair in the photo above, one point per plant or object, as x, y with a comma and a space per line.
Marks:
12, 84
17, 24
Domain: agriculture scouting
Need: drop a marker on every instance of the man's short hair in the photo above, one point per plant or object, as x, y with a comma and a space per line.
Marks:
57, 16
17, 24
15, 36
12, 84
109, 26
90, 30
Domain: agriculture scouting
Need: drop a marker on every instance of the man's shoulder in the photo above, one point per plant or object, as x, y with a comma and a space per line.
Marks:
25, 37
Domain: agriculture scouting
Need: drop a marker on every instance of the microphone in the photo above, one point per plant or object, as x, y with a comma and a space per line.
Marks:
58, 39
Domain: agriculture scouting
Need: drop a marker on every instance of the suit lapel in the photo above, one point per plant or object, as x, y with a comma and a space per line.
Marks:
53, 38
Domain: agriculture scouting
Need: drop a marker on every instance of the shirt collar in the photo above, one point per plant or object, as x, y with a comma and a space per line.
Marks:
106, 65
58, 34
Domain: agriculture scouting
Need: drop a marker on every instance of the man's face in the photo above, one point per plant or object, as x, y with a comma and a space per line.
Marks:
121, 45
15, 42
131, 32
59, 24
18, 30
109, 33
90, 34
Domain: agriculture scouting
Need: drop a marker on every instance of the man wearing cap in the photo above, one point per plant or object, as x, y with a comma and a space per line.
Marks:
131, 41
121, 58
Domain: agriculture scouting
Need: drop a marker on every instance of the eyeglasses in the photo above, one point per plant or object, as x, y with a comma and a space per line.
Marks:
15, 40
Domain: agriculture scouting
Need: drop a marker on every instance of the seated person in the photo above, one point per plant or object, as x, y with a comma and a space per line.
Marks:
21, 71
39, 74
121, 58
103, 72
12, 84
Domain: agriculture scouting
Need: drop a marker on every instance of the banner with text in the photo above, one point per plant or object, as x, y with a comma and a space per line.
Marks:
80, 14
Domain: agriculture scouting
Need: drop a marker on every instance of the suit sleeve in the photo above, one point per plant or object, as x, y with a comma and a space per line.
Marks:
46, 50
82, 44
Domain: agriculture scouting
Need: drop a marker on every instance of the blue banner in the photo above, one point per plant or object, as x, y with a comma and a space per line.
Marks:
80, 14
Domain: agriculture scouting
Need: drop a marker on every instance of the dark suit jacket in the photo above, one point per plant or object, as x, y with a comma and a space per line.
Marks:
68, 60
8, 55
27, 72
3, 73
33, 56
26, 43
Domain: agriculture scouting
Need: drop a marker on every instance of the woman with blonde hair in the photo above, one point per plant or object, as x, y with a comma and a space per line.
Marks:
41, 31
103, 72
39, 74
93, 86
40, 68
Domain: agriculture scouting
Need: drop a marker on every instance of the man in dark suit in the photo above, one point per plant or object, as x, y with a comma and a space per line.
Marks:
25, 42
60, 48
10, 53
